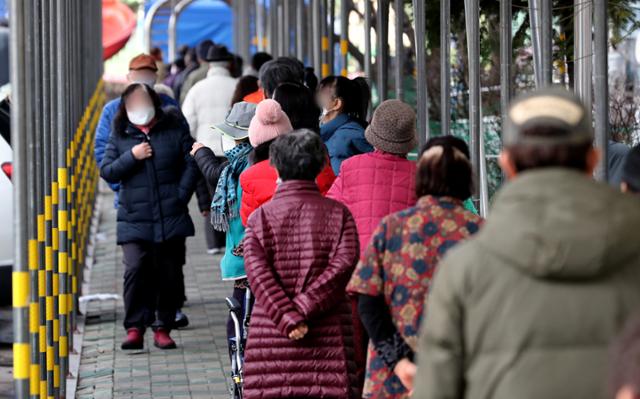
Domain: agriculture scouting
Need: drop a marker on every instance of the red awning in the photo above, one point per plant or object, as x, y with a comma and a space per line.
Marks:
118, 23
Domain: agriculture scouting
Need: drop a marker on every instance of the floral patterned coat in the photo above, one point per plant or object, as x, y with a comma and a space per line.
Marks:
399, 264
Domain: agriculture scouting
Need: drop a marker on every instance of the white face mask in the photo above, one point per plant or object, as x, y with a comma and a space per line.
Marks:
227, 144
141, 116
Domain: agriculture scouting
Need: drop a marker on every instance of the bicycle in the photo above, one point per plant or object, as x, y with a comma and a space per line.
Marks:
238, 342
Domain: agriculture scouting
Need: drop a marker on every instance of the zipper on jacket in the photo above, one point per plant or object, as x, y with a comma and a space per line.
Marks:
157, 185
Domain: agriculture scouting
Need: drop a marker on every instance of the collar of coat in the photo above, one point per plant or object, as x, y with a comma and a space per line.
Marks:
428, 201
294, 187
556, 223
165, 119
218, 71
335, 123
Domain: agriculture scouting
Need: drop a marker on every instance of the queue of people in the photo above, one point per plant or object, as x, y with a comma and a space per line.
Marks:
372, 275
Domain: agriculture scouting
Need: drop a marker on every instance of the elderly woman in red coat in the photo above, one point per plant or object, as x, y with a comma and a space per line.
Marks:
300, 250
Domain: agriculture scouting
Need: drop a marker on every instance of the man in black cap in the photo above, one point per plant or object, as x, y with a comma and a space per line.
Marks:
528, 307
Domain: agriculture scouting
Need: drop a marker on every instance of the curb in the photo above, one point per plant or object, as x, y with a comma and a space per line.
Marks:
76, 353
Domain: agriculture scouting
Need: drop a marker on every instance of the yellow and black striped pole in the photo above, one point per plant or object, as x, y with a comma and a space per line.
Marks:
344, 37
56, 61
20, 278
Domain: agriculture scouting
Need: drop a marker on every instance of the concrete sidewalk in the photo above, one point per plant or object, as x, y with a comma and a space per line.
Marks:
199, 368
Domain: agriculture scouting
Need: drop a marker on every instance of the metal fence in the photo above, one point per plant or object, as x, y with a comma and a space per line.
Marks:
305, 29
56, 66
57, 97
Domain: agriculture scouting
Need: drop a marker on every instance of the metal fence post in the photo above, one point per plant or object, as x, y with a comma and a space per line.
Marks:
315, 36
324, 39
445, 66
583, 65
300, 37
506, 56
399, 64
344, 37
330, 32
421, 72
63, 63
368, 70
601, 83
473, 47
546, 36
536, 39
382, 35
20, 276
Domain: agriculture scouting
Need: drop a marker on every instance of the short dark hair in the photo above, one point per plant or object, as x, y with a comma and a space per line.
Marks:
631, 170
259, 59
121, 119
296, 66
310, 79
236, 66
245, 86
260, 153
449, 174
299, 155
298, 102
624, 369
274, 73
531, 156
202, 49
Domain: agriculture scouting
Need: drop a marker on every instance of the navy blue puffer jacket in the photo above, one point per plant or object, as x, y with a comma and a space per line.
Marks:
155, 192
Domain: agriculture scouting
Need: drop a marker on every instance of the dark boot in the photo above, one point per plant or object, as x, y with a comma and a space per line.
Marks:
162, 340
134, 340
182, 320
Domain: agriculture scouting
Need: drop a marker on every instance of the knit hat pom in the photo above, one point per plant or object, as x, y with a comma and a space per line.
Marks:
269, 122
269, 112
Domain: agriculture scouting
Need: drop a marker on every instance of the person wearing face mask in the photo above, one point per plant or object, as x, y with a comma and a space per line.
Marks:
344, 104
148, 154
142, 69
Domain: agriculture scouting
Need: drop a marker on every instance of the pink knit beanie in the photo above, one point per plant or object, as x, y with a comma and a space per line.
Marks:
268, 123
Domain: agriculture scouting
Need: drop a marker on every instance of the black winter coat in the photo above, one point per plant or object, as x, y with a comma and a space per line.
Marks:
155, 192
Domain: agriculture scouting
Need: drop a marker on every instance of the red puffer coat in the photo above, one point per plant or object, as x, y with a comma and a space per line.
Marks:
258, 184
300, 250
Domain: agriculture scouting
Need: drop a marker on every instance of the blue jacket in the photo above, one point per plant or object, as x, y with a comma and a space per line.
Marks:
155, 192
344, 138
103, 129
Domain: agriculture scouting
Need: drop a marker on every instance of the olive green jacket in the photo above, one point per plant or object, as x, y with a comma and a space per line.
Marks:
528, 307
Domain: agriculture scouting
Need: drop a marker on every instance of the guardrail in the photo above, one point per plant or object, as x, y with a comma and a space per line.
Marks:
57, 97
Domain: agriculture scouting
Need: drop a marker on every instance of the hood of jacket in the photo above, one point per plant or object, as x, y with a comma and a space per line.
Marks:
561, 224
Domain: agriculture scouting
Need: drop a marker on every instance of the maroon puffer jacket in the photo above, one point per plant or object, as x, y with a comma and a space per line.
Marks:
300, 250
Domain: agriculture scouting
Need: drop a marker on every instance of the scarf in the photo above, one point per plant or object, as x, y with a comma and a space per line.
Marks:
224, 203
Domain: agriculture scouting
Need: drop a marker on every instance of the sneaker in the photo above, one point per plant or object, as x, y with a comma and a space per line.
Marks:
215, 251
134, 340
182, 320
162, 340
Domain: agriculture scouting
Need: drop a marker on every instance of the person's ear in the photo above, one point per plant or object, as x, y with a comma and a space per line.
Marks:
593, 157
624, 187
507, 165
337, 105
626, 392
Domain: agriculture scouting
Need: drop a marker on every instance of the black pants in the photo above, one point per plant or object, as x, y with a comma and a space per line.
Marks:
214, 239
151, 282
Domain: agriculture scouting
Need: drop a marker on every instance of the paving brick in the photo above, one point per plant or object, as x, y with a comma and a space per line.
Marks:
198, 368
